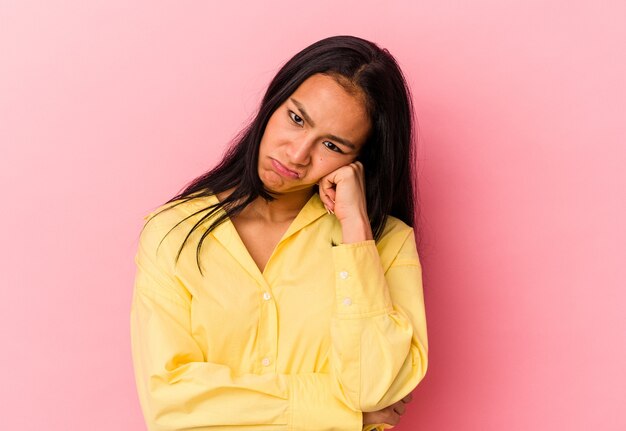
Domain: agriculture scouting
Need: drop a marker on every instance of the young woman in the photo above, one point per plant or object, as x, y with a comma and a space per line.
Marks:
282, 289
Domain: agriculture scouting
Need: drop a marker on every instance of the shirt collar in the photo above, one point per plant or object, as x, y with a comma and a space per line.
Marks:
227, 235
311, 211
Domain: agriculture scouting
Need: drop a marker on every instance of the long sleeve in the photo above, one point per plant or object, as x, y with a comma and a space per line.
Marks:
179, 390
379, 342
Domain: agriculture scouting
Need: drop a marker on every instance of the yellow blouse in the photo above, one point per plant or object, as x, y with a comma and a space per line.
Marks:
324, 333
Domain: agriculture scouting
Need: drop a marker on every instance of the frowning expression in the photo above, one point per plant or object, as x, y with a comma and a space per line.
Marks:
321, 127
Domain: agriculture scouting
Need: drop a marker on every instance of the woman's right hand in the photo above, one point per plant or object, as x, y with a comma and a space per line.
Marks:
390, 415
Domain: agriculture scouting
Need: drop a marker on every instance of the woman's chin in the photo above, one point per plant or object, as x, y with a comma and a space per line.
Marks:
283, 189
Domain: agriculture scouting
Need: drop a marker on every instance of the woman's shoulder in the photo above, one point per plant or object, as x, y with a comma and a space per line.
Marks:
394, 227
178, 209
397, 243
175, 218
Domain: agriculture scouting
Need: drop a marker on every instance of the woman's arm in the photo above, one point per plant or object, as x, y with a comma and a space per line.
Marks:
378, 331
379, 342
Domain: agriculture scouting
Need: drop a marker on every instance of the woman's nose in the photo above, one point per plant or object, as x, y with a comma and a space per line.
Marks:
299, 151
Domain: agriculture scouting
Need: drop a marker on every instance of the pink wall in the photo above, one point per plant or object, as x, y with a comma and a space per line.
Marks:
108, 108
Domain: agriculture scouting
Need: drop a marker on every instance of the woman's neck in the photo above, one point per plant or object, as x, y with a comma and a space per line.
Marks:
284, 208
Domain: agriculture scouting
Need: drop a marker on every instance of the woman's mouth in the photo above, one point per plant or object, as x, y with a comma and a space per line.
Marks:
284, 171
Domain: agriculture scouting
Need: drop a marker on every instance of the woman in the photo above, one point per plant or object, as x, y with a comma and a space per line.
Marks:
282, 289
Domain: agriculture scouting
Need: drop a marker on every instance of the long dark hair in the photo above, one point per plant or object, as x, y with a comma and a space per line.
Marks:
387, 155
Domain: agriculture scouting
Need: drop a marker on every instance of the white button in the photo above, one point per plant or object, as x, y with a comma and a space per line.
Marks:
265, 362
267, 296
347, 301
343, 275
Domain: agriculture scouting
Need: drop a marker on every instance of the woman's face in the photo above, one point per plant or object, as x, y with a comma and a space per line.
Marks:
320, 128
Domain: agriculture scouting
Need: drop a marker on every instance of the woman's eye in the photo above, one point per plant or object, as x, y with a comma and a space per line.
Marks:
296, 119
332, 147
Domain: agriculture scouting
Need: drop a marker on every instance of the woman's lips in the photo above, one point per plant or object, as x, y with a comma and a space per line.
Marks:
282, 170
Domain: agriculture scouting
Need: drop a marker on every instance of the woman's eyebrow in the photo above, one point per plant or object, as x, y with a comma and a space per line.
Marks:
312, 123
303, 111
342, 141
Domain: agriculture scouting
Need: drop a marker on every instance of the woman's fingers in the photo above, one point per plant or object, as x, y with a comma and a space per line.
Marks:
399, 407
343, 191
389, 415
327, 190
393, 417
327, 193
385, 416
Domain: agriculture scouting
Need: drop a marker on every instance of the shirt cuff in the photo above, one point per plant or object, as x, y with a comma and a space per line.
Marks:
314, 407
360, 285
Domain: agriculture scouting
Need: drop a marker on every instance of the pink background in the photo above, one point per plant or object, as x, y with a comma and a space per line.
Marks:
108, 108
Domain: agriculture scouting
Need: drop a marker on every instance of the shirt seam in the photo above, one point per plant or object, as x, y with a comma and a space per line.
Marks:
360, 244
173, 298
407, 262
352, 316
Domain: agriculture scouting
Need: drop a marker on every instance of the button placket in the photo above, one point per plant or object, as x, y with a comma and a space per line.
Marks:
268, 329
347, 301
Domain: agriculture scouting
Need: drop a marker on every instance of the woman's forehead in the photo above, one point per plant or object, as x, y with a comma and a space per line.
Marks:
330, 105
